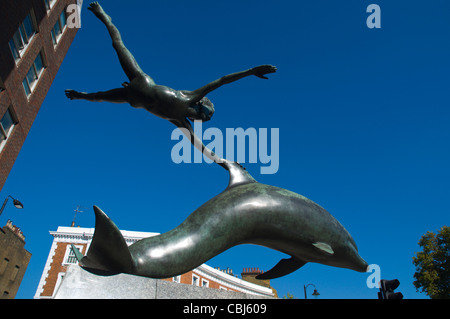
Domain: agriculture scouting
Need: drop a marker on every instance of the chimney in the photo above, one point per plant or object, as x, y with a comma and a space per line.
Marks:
16, 230
249, 274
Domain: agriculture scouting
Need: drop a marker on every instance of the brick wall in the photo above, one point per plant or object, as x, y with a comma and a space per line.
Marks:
13, 97
57, 267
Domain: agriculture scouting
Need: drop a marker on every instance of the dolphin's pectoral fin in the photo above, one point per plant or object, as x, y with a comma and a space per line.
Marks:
284, 267
324, 247
108, 251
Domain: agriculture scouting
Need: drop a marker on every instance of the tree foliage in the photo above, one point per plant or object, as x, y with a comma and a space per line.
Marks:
289, 296
433, 264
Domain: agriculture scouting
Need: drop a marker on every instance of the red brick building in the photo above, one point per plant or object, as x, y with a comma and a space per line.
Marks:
61, 256
34, 39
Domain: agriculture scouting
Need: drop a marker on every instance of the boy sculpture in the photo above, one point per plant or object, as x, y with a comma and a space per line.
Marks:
173, 105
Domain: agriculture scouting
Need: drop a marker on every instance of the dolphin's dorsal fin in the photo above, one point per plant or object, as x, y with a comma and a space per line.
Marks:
238, 174
284, 267
108, 250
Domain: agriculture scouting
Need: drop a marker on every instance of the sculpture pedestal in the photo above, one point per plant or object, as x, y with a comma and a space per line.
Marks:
81, 284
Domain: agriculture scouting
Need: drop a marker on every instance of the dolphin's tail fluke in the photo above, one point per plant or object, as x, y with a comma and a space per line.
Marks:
108, 251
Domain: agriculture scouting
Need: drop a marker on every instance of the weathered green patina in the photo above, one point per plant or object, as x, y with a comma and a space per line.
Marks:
247, 212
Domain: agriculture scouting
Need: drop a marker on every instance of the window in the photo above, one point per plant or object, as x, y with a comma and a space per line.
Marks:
49, 4
177, 279
195, 280
15, 272
22, 37
58, 29
6, 125
205, 283
3, 265
35, 71
70, 257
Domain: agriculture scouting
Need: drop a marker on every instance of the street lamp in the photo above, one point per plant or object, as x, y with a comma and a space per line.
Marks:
315, 293
16, 203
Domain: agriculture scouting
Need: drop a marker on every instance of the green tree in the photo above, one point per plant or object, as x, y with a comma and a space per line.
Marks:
433, 264
289, 296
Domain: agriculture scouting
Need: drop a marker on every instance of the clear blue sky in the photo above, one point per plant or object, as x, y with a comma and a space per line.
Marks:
363, 117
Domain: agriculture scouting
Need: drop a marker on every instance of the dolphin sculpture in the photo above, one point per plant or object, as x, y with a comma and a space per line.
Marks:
246, 212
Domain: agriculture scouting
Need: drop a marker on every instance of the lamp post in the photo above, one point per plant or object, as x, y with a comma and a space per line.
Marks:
315, 293
16, 203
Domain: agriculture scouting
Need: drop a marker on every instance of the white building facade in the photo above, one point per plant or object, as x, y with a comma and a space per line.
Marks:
61, 256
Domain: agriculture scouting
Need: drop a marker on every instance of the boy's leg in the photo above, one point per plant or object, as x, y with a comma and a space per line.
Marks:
114, 96
127, 60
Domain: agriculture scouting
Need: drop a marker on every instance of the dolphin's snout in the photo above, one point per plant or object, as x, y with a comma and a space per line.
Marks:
360, 264
364, 266
357, 263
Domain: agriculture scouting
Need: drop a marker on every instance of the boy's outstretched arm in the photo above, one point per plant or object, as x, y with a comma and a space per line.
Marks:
258, 71
185, 126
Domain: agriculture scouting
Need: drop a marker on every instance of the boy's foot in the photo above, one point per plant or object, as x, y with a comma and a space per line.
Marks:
97, 9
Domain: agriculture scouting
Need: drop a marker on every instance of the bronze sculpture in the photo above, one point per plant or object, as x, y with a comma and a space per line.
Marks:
247, 212
173, 105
